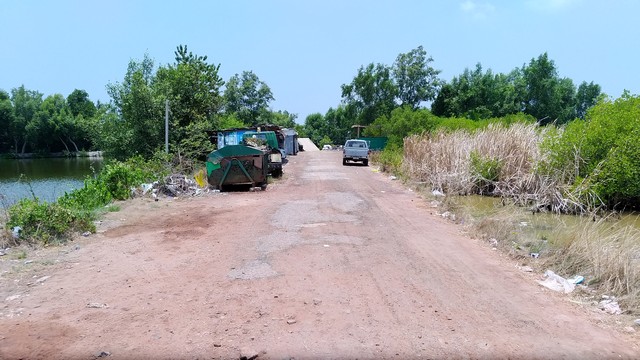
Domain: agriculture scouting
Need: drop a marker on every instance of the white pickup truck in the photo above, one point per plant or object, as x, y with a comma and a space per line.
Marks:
356, 150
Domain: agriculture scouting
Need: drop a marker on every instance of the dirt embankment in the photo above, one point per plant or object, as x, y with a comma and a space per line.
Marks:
331, 262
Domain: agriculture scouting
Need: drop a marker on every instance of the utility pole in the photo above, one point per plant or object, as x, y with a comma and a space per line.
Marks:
166, 126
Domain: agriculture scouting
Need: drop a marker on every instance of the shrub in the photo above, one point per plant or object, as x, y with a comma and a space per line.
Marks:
390, 159
485, 171
46, 222
600, 155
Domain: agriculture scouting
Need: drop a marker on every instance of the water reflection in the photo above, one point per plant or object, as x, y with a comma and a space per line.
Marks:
46, 179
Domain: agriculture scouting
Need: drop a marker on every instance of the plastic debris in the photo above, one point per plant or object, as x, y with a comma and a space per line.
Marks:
535, 255
578, 279
15, 232
556, 282
610, 306
437, 193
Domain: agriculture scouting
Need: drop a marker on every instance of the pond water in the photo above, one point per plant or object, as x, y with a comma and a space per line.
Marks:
536, 227
46, 179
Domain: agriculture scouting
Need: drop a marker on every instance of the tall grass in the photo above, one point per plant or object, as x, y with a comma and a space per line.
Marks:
498, 161
508, 162
608, 256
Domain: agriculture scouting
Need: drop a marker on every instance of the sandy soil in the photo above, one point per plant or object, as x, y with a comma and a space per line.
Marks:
330, 262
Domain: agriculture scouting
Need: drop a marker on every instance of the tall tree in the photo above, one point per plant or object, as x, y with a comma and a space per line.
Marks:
140, 112
548, 98
338, 125
51, 123
80, 104
415, 79
316, 127
6, 120
248, 97
586, 97
283, 119
371, 93
192, 86
477, 95
25, 105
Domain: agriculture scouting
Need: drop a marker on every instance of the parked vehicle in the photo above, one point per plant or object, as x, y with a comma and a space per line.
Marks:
267, 141
237, 165
356, 150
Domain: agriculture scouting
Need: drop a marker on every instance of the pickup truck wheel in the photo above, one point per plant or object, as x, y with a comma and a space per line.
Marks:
366, 162
344, 162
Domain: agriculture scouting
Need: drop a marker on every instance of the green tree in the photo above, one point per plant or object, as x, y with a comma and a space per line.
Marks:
402, 122
547, 97
283, 119
415, 79
371, 93
601, 151
316, 127
6, 120
248, 97
51, 124
192, 87
139, 112
586, 97
79, 104
477, 95
338, 125
25, 105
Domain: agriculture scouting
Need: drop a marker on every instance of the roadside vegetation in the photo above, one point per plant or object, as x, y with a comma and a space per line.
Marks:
528, 137
36, 222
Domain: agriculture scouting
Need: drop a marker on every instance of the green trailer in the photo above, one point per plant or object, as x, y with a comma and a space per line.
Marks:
237, 165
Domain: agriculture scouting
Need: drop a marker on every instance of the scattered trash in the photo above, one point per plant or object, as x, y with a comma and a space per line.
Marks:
27, 262
392, 177
637, 322
445, 214
42, 279
578, 279
102, 354
325, 245
535, 255
437, 193
524, 223
97, 306
86, 233
2, 253
146, 188
629, 329
291, 321
13, 297
15, 232
556, 282
493, 242
526, 268
610, 305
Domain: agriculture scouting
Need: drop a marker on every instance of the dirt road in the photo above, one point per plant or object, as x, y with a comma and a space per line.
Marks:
330, 262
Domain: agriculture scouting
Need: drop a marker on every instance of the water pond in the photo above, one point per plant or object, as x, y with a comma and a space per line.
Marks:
46, 179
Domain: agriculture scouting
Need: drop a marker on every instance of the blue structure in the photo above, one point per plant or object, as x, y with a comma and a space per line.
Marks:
290, 141
230, 137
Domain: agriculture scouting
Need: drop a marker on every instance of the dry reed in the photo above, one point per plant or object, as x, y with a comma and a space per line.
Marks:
608, 256
443, 160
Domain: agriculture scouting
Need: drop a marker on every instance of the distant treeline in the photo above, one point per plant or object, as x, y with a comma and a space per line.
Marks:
391, 100
377, 91
132, 123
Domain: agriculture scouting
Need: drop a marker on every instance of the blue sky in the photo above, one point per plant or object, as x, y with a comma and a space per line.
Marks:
304, 50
